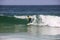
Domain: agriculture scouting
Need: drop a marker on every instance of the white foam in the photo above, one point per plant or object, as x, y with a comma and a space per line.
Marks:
51, 20
48, 20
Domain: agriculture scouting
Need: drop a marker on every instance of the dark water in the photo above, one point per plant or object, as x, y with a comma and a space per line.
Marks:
30, 9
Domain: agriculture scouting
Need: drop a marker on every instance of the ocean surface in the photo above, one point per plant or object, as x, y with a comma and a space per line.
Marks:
29, 9
45, 26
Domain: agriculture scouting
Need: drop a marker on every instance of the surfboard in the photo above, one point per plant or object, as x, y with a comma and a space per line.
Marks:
35, 24
29, 24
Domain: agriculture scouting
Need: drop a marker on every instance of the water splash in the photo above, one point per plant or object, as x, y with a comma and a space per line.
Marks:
46, 20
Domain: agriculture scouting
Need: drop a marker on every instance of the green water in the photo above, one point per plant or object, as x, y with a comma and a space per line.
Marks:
11, 24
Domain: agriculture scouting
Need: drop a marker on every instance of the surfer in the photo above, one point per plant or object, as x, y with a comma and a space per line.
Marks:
29, 19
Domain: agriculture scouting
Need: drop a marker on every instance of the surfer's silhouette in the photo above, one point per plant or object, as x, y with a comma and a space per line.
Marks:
29, 19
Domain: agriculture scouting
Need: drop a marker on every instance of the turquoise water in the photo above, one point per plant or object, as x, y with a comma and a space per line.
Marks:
11, 24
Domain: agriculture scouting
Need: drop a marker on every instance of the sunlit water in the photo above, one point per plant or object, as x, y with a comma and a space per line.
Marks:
32, 32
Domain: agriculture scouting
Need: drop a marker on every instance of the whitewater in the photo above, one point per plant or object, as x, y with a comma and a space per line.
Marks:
43, 20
